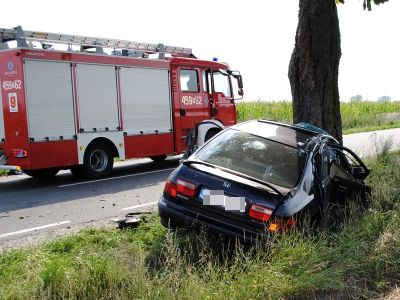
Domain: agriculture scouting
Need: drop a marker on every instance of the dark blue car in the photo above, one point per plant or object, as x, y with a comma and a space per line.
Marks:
260, 176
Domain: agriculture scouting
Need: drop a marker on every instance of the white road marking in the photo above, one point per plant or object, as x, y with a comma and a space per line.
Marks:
141, 205
112, 178
35, 228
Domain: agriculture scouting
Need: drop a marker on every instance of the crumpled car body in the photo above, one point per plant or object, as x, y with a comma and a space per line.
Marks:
262, 176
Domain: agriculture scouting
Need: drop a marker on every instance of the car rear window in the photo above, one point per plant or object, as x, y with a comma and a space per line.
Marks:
255, 156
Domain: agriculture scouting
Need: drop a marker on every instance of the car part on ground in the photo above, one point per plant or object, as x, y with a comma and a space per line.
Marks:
131, 220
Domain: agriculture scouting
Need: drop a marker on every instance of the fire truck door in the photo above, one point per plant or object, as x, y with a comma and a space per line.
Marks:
223, 108
2, 131
193, 106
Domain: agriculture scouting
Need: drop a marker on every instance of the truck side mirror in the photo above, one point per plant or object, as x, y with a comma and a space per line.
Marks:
239, 81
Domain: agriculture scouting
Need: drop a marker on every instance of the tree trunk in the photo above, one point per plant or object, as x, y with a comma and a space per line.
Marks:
314, 67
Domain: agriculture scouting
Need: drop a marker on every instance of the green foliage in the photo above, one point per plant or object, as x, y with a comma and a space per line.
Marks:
360, 114
356, 116
276, 110
366, 3
376, 2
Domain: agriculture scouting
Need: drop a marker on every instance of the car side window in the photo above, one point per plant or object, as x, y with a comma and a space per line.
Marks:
349, 163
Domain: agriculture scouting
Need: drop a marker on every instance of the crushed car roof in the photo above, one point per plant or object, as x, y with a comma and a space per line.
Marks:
291, 135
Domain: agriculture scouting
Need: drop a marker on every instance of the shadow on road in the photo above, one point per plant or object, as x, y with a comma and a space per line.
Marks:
22, 191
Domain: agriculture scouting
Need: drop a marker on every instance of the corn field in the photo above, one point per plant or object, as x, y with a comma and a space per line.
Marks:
355, 114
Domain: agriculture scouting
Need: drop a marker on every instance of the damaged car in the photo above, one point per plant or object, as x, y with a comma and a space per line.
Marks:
260, 176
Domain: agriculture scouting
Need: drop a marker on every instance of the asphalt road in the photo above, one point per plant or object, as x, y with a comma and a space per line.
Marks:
31, 207
364, 144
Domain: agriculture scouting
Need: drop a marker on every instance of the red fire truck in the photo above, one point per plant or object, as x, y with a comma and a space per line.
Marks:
81, 107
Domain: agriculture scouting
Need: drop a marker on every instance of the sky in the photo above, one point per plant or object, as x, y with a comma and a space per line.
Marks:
255, 37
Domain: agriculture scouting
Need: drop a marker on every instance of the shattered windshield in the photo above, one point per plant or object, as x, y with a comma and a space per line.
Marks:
255, 156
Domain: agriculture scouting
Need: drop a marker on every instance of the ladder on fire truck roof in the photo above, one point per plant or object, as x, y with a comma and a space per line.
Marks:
22, 38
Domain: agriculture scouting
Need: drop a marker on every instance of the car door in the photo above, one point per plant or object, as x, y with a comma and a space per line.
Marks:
347, 172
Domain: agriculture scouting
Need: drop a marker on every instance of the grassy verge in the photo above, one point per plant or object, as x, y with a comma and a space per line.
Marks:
359, 259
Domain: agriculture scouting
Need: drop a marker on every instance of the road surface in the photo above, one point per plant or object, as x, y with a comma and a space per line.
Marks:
30, 207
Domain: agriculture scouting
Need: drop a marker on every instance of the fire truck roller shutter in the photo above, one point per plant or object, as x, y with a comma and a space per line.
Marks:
49, 99
146, 100
98, 100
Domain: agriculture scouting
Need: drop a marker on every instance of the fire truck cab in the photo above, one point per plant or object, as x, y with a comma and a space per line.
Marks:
79, 108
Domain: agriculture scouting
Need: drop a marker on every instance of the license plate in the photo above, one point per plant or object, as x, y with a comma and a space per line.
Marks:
218, 198
201, 194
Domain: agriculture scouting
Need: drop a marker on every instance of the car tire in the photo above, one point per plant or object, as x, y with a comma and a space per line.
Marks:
97, 163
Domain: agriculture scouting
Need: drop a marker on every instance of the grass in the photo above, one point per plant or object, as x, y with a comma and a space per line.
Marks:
357, 116
358, 259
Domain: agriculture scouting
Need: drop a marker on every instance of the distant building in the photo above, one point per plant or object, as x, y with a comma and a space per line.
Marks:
384, 99
356, 98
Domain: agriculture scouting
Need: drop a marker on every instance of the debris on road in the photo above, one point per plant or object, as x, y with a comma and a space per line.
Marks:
131, 220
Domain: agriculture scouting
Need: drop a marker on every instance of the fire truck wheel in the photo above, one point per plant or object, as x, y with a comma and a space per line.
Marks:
158, 157
98, 161
42, 173
210, 134
76, 171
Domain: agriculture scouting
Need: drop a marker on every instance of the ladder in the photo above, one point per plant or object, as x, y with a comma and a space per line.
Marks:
22, 38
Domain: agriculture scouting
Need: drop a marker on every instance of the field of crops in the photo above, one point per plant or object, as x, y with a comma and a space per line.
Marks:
355, 114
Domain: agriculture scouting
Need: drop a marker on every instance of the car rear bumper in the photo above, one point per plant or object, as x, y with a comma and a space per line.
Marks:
173, 215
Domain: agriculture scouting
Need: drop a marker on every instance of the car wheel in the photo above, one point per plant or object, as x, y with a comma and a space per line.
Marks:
158, 157
98, 161
309, 226
42, 173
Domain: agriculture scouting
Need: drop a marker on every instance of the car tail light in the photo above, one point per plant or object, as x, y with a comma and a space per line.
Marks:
170, 188
259, 212
19, 153
282, 225
185, 187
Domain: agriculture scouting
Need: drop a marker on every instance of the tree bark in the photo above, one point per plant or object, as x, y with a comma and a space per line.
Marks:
314, 67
